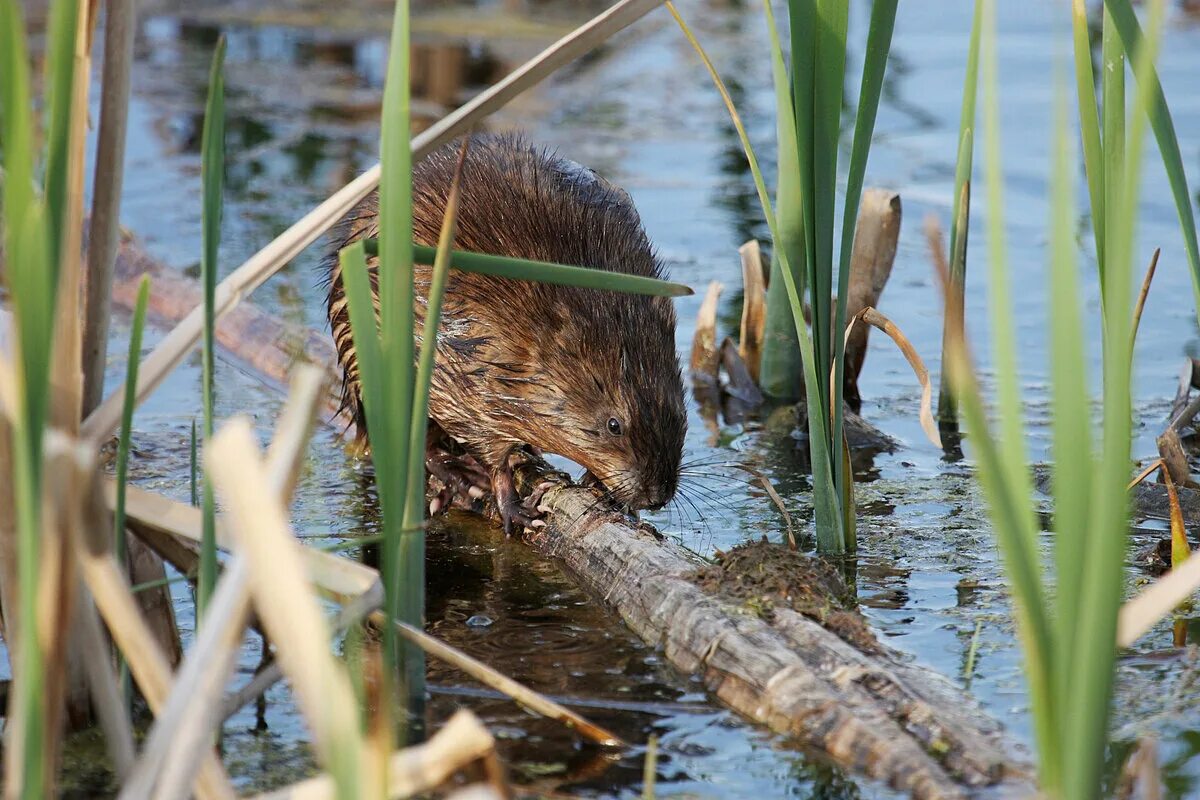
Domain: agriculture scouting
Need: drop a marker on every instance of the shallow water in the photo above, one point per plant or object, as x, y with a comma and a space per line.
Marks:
303, 106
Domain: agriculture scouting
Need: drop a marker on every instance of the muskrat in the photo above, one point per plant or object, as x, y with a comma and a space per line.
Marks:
587, 374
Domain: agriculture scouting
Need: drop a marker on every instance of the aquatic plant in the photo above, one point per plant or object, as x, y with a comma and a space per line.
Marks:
1102, 127
1069, 634
960, 220
212, 171
811, 94
37, 216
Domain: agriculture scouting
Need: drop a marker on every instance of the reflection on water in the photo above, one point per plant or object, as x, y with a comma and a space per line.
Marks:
303, 102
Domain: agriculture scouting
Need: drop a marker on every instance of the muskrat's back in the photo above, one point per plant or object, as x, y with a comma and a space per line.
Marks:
588, 374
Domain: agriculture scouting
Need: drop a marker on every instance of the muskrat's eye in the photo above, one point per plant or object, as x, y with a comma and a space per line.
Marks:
614, 426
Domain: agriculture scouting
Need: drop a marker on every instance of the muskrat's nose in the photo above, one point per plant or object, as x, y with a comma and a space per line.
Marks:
655, 497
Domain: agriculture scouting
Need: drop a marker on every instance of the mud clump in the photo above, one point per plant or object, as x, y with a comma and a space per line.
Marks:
763, 576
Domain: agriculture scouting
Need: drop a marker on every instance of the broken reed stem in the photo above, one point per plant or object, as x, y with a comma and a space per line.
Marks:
175, 346
1141, 300
1146, 473
754, 308
419, 769
147, 662
285, 603
183, 732
870, 316
104, 230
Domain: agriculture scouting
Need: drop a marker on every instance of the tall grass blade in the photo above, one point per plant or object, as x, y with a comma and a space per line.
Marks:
1071, 411
212, 171
1125, 21
781, 367
879, 45
131, 371
33, 229
960, 213
1112, 87
60, 70
1003, 467
828, 79
1084, 731
544, 271
1089, 120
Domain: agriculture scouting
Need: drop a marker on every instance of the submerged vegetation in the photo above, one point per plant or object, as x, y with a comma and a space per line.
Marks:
78, 627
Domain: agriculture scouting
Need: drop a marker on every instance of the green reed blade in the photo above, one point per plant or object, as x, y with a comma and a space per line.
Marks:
1071, 418
960, 219
1090, 690
879, 44
404, 544
131, 372
364, 326
802, 26
546, 272
32, 236
832, 18
781, 367
60, 75
830, 538
1112, 87
195, 497
1089, 121
1005, 472
212, 172
1164, 132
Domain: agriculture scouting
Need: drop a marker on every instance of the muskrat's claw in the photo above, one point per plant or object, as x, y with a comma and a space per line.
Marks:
460, 476
515, 514
533, 503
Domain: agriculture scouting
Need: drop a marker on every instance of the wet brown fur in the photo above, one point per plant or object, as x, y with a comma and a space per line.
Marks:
523, 363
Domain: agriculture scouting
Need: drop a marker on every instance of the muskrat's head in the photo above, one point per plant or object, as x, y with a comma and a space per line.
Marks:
621, 401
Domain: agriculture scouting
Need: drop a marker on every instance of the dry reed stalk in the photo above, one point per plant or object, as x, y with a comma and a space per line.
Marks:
1146, 473
870, 316
352, 613
754, 307
105, 687
705, 361
1142, 294
148, 663
104, 227
1159, 599
181, 734
347, 582
282, 595
67, 371
462, 741
175, 346
876, 237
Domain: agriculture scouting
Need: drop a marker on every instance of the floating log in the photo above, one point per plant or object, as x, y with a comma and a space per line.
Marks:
859, 702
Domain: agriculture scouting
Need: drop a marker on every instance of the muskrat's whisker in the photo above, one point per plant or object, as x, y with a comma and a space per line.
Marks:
709, 497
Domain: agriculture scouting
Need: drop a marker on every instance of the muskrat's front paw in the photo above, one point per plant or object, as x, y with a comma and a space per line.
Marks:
516, 516
461, 476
